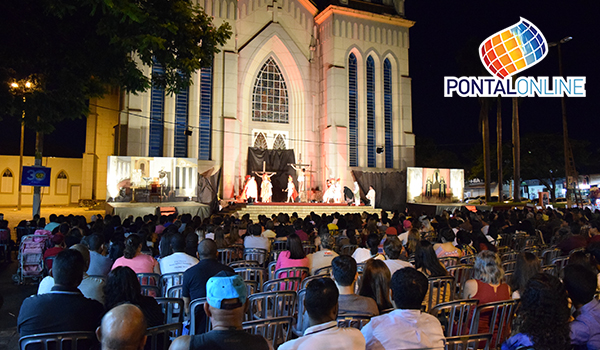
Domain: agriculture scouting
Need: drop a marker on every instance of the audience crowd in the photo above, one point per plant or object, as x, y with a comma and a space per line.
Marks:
376, 266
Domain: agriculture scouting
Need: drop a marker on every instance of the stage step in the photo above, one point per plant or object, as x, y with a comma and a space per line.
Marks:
302, 209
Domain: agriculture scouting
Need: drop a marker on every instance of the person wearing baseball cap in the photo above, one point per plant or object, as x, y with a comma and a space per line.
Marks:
226, 297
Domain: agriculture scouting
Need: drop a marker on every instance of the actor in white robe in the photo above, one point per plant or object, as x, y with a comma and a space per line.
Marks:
371, 196
291, 190
266, 188
356, 194
252, 188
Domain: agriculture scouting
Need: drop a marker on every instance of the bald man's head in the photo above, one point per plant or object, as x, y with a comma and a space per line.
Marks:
207, 249
123, 327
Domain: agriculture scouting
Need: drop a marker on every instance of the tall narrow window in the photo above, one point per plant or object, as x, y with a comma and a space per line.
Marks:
157, 107
6, 186
352, 110
181, 122
387, 112
204, 144
371, 139
270, 96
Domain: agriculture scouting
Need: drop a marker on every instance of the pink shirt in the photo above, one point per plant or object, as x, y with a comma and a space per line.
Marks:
284, 261
140, 263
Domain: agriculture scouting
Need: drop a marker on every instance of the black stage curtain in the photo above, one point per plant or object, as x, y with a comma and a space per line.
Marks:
390, 188
208, 188
275, 161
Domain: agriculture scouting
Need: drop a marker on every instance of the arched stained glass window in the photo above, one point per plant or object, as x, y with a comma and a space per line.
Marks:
270, 96
353, 110
260, 141
279, 142
371, 138
387, 113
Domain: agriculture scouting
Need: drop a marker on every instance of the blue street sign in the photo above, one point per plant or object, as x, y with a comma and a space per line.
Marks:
36, 176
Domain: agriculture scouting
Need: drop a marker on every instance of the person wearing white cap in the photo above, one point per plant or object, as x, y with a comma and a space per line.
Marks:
226, 296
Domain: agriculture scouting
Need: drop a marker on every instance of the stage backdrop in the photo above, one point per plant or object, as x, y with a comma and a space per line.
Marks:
275, 161
390, 188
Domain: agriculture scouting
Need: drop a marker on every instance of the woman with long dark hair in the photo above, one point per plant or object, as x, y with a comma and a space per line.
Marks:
122, 286
375, 283
220, 240
526, 267
427, 262
545, 316
294, 255
371, 252
135, 259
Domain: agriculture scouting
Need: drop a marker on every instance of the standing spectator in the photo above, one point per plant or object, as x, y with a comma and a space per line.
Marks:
178, 261
581, 286
254, 239
344, 274
406, 327
294, 256
324, 256
100, 265
64, 309
375, 284
323, 333
135, 259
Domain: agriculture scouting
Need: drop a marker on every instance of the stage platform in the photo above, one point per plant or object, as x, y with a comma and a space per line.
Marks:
303, 209
141, 209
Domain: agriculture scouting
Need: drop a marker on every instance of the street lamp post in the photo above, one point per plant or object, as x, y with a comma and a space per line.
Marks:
21, 88
566, 146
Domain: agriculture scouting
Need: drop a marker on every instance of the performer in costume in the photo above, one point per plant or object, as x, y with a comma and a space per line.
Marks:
291, 190
356, 194
266, 188
328, 194
337, 191
243, 195
251, 189
371, 196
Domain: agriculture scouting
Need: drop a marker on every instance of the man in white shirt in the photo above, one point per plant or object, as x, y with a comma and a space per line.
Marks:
254, 239
323, 257
321, 304
178, 261
269, 230
393, 250
406, 327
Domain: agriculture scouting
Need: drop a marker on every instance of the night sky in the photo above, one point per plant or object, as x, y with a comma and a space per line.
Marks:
441, 32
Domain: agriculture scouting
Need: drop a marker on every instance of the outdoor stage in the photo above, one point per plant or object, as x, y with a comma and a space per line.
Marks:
140, 209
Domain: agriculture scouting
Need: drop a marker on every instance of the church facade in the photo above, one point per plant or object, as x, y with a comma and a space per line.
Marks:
328, 81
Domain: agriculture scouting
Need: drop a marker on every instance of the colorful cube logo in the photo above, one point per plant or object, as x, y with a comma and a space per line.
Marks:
513, 49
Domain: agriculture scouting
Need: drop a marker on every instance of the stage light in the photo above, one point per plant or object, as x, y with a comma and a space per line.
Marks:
379, 150
188, 132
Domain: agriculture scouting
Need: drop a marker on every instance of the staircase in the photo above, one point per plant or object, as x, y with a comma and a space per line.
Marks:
302, 209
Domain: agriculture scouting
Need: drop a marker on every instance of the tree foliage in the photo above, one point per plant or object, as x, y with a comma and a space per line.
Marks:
74, 50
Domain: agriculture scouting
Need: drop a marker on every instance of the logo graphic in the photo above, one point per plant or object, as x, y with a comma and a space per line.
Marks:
513, 49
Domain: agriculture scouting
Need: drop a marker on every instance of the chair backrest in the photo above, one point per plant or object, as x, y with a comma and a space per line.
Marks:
309, 248
353, 321
307, 280
550, 254
533, 250
301, 272
159, 337
276, 330
271, 269
226, 255
256, 254
281, 284
169, 280
244, 263
504, 249
58, 341
560, 263
441, 290
151, 291
508, 276
299, 327
510, 256
348, 249
456, 315
323, 271
257, 274
175, 292
449, 261
461, 273
279, 244
550, 269
500, 315
149, 279
197, 310
463, 342
467, 259
172, 309
271, 304
252, 287
509, 265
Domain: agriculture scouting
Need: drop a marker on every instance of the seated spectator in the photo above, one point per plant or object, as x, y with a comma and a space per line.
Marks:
226, 305
100, 264
344, 274
122, 286
58, 241
294, 256
234, 236
254, 239
412, 241
135, 259
324, 256
544, 314
321, 305
446, 248
219, 238
90, 287
52, 224
123, 327
389, 232
64, 309
463, 242
406, 327
427, 262
526, 267
375, 284
581, 286
269, 230
393, 250
371, 252
178, 261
